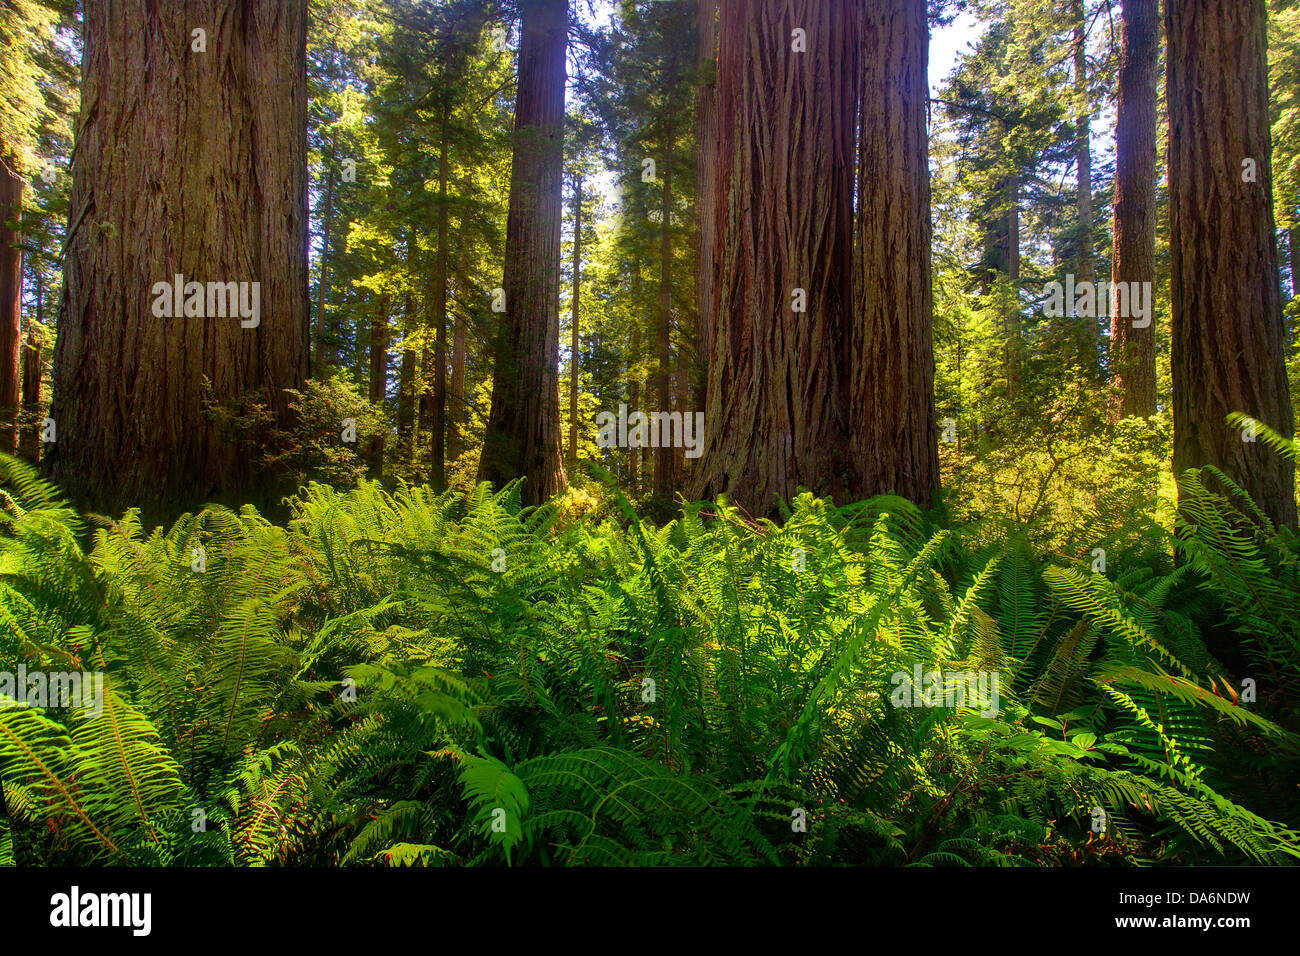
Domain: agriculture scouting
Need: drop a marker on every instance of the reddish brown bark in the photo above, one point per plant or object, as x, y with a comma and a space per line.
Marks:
523, 431
891, 378
1227, 317
776, 418
189, 163
11, 288
1133, 350
706, 138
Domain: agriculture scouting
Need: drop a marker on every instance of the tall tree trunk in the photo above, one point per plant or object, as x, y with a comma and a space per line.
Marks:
777, 416
706, 140
1227, 316
634, 387
378, 379
1088, 331
438, 419
323, 357
663, 476
11, 294
194, 166
456, 412
1010, 307
523, 431
1294, 243
574, 331
29, 444
1133, 350
891, 373
407, 373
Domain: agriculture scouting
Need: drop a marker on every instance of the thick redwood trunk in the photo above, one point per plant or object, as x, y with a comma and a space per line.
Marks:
706, 145
1133, 350
523, 431
11, 289
891, 374
1227, 322
193, 164
777, 417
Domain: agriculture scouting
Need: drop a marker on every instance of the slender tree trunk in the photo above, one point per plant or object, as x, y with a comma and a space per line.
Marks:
891, 374
634, 392
378, 379
1133, 350
523, 432
437, 425
406, 383
1011, 304
324, 357
777, 415
574, 332
663, 475
456, 414
188, 164
1227, 317
1295, 260
29, 444
706, 139
11, 294
1088, 331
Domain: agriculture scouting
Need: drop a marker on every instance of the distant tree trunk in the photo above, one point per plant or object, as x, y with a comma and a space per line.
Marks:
663, 476
11, 294
1133, 350
1011, 304
437, 425
777, 416
29, 444
891, 376
1088, 331
378, 379
456, 413
323, 355
523, 431
574, 332
1295, 260
1227, 317
406, 383
634, 390
706, 139
192, 164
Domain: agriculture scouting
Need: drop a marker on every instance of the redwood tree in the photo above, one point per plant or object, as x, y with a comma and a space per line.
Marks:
190, 160
11, 285
1227, 319
523, 429
892, 368
1133, 350
776, 416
